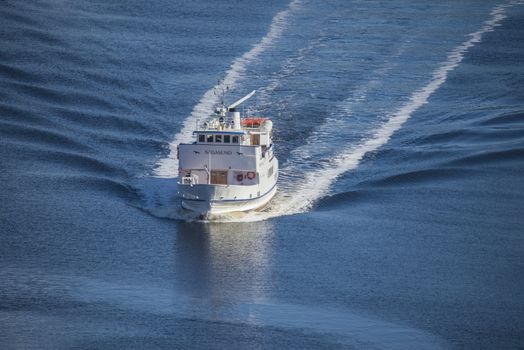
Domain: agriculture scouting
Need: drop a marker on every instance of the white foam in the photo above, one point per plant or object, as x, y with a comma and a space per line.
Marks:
299, 196
168, 167
316, 144
317, 183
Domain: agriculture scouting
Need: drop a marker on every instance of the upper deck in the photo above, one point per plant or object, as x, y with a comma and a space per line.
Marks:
227, 149
252, 132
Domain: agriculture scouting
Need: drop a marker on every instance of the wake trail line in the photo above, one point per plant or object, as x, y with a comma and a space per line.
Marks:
168, 167
301, 196
317, 183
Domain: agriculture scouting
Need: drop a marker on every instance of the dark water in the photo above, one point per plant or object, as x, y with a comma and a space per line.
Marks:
399, 221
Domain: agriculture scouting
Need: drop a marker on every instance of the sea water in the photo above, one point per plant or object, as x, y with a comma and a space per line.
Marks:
399, 127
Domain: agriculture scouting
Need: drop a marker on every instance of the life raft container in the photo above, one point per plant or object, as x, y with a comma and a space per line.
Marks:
252, 122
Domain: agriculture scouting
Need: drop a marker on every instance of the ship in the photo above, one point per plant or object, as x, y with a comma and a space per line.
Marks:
230, 166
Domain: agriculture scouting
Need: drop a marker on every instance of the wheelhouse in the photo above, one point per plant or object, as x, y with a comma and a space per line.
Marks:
218, 137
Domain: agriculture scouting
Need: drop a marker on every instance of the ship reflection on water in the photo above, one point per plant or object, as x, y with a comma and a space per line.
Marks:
219, 267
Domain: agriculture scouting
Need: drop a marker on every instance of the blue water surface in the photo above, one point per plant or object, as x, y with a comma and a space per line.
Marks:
399, 127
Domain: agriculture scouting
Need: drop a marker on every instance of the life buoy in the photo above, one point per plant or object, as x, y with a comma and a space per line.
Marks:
250, 175
240, 177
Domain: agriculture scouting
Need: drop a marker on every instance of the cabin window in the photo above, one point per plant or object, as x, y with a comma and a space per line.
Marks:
227, 138
209, 138
201, 138
218, 138
234, 139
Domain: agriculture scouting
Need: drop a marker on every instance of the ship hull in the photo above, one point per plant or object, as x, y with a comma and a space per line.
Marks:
213, 199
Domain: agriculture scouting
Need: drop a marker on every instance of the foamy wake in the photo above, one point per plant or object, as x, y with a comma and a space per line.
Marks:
168, 167
317, 183
299, 196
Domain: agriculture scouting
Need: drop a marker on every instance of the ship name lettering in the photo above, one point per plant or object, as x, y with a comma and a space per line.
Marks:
214, 151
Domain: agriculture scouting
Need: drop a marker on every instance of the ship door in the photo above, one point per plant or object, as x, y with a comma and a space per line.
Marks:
255, 140
218, 177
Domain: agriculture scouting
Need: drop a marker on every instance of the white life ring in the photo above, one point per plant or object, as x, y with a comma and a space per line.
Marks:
251, 175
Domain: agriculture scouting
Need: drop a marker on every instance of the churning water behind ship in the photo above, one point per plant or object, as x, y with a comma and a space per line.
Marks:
398, 222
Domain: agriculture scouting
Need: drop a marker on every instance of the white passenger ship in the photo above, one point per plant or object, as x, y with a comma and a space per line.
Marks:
230, 166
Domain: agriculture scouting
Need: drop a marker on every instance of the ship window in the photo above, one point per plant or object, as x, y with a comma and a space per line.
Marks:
235, 139
218, 138
201, 138
209, 138
227, 138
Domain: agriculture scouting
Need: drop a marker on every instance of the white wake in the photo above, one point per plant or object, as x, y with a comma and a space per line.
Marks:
168, 167
299, 196
316, 184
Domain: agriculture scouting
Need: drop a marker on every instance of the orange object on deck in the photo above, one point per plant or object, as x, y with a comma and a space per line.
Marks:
252, 122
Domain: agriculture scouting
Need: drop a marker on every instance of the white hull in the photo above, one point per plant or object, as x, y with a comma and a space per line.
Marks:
208, 199
209, 206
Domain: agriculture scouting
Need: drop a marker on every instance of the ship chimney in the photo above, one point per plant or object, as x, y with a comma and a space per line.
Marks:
235, 116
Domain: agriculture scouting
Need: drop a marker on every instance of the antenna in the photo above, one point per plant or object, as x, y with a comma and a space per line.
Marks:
220, 90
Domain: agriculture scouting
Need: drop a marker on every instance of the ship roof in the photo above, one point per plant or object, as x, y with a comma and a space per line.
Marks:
217, 131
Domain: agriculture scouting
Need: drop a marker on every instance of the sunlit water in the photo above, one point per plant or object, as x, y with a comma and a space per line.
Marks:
398, 221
